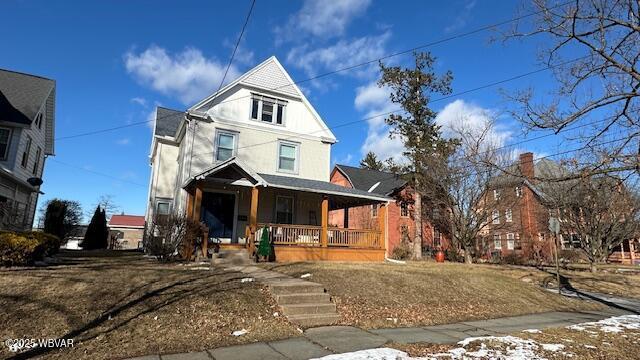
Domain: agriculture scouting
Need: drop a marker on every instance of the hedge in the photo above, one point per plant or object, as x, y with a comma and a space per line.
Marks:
24, 248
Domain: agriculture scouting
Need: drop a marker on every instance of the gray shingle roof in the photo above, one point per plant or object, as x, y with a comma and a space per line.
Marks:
364, 179
22, 96
317, 186
167, 121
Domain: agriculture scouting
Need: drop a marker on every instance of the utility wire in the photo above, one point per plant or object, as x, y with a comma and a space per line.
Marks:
347, 68
96, 172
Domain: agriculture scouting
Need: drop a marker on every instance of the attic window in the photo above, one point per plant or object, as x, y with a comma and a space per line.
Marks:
268, 109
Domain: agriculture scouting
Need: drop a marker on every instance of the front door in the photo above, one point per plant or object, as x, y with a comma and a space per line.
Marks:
218, 213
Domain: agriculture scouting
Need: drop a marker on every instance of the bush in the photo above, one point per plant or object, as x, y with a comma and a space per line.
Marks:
166, 235
50, 242
403, 251
18, 249
513, 259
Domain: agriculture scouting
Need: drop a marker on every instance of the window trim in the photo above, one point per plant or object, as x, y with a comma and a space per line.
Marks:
38, 121
234, 151
404, 206
496, 194
374, 210
296, 163
511, 239
439, 238
274, 115
5, 156
36, 164
25, 154
497, 239
163, 201
518, 191
508, 215
495, 219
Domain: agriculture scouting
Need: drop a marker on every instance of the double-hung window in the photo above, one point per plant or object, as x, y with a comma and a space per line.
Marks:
508, 215
495, 216
518, 191
497, 242
436, 238
225, 145
404, 209
25, 153
268, 109
374, 210
36, 163
496, 195
288, 157
511, 241
284, 209
5, 141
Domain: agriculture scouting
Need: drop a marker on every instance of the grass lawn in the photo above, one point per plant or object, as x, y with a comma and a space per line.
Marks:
622, 281
426, 293
117, 305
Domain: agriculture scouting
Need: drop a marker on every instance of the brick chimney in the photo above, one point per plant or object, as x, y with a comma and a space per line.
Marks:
526, 165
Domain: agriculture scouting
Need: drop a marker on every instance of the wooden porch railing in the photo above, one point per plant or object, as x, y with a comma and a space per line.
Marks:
309, 235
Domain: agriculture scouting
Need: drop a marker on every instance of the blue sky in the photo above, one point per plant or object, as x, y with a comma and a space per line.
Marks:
115, 61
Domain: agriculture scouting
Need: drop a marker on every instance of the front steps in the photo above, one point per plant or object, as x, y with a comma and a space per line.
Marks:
304, 303
232, 257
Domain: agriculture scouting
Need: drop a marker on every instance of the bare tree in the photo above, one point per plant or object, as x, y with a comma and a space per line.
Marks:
600, 211
594, 49
166, 235
108, 204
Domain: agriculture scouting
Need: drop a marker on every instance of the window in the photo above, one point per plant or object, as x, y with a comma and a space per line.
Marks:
5, 140
496, 194
436, 238
267, 109
404, 209
518, 243
36, 164
511, 241
39, 121
25, 154
518, 191
508, 215
287, 157
436, 213
225, 145
374, 210
284, 209
495, 216
162, 208
497, 243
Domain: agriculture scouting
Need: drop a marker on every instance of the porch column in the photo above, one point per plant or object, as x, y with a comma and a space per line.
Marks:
632, 250
189, 205
324, 222
382, 224
622, 252
253, 218
196, 216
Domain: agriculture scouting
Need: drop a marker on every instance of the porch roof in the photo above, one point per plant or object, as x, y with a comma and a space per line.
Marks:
340, 196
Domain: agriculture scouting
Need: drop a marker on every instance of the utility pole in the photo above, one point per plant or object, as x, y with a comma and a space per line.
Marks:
554, 227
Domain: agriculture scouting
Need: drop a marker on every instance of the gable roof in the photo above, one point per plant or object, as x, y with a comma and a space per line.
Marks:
374, 181
22, 96
167, 121
126, 220
269, 76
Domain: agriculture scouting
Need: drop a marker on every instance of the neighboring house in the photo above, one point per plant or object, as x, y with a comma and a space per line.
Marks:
400, 213
73, 240
27, 124
126, 232
256, 154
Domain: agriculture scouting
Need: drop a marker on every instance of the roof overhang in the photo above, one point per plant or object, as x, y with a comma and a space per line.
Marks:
232, 171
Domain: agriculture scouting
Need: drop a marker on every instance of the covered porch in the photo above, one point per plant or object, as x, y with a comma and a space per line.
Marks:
238, 206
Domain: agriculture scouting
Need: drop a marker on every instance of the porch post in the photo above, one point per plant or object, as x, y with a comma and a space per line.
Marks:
632, 250
189, 205
622, 252
382, 223
324, 222
253, 218
196, 216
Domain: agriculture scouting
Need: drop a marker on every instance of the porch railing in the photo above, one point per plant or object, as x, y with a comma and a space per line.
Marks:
309, 235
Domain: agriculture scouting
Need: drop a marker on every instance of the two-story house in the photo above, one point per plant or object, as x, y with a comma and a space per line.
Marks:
400, 213
27, 123
256, 155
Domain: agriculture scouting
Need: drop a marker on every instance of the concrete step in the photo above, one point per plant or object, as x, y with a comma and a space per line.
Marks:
294, 299
295, 287
309, 309
314, 320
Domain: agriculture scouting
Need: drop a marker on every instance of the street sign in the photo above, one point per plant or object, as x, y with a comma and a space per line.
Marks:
554, 225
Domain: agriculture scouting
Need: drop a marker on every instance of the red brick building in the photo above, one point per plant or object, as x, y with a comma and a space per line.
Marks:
400, 213
126, 231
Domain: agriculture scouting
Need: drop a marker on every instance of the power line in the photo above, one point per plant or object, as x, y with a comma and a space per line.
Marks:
347, 68
103, 130
97, 173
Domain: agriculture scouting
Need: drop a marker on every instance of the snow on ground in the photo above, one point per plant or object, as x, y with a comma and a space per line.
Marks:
499, 347
612, 325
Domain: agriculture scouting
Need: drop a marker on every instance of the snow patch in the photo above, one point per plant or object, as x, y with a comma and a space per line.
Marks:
532, 331
246, 280
614, 324
304, 276
239, 332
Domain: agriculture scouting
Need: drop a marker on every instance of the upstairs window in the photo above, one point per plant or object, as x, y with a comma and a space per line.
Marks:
25, 153
36, 164
288, 157
374, 210
225, 145
508, 215
5, 140
495, 216
496, 195
268, 109
404, 209
518, 191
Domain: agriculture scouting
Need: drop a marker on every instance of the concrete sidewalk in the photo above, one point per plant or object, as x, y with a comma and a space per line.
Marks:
326, 340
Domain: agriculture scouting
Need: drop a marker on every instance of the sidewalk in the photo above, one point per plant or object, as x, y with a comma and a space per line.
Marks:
326, 340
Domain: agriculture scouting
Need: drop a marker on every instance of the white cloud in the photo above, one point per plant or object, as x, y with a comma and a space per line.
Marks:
343, 54
123, 141
188, 74
472, 118
140, 101
463, 16
322, 19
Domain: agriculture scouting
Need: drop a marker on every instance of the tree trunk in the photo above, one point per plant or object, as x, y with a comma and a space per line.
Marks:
593, 267
468, 259
417, 241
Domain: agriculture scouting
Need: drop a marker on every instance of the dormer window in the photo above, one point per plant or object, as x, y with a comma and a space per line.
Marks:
267, 109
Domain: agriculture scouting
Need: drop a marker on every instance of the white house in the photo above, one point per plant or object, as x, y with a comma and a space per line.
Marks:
27, 124
255, 154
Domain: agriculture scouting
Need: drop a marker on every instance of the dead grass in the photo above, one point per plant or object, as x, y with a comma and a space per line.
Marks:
426, 293
118, 305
